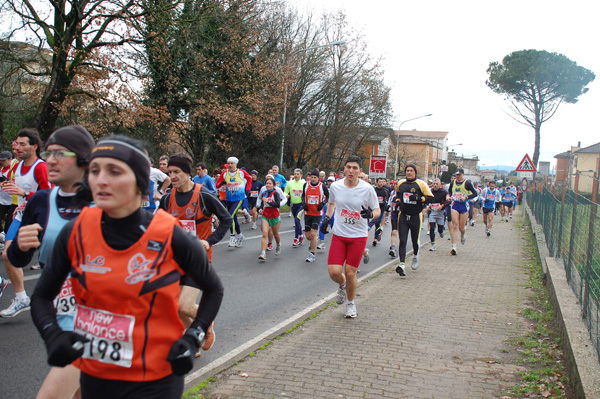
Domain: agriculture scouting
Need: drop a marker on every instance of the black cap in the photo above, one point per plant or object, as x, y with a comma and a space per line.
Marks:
4, 155
460, 171
75, 138
315, 172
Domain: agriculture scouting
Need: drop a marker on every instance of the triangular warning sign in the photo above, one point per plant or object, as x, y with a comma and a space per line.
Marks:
526, 165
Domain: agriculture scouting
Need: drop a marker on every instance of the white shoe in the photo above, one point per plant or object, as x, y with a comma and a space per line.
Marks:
16, 307
321, 245
278, 250
350, 311
415, 263
238, 242
340, 296
366, 258
463, 240
311, 257
254, 226
400, 270
262, 256
432, 247
231, 241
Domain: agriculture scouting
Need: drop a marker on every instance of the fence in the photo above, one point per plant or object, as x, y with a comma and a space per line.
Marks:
572, 229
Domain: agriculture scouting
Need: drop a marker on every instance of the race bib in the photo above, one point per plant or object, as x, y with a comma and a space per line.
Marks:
20, 209
457, 196
350, 217
145, 201
490, 197
406, 199
233, 186
312, 199
189, 226
65, 303
297, 193
254, 194
380, 199
436, 207
110, 335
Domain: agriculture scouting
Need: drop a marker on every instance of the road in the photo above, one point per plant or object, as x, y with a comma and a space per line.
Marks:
258, 296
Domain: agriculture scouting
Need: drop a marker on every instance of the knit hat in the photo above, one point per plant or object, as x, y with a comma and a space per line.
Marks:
315, 172
75, 138
182, 163
411, 165
134, 157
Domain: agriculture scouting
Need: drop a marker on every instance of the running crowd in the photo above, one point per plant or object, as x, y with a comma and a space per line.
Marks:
126, 248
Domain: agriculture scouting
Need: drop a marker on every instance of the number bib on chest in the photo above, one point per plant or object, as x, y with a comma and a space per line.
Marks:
65, 302
189, 226
110, 335
490, 197
312, 199
350, 217
297, 193
254, 194
436, 207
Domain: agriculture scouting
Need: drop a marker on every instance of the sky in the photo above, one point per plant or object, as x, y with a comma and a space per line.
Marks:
435, 54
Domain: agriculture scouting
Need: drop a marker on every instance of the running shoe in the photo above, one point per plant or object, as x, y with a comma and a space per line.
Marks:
453, 251
35, 266
350, 311
463, 239
321, 245
262, 256
432, 248
311, 257
374, 243
378, 234
415, 262
393, 252
231, 241
269, 247
278, 250
198, 353
340, 296
16, 307
506, 220
300, 240
442, 234
511, 215
400, 270
254, 226
296, 243
1, 247
489, 233
366, 258
209, 341
472, 223
239, 240
3, 285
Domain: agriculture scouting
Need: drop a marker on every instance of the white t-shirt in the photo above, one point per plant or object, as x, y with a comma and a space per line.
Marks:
348, 204
156, 175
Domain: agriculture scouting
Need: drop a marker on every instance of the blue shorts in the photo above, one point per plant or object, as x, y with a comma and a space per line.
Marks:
460, 207
11, 234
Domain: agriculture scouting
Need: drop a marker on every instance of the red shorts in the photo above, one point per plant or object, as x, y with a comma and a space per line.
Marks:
346, 249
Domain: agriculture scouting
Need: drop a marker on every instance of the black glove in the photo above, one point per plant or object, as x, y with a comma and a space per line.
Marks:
305, 206
182, 354
366, 213
320, 206
414, 197
247, 194
223, 182
386, 208
325, 225
63, 347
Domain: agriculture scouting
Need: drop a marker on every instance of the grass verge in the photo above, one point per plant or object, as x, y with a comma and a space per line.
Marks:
539, 351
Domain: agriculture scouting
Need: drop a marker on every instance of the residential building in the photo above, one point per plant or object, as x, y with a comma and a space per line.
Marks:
585, 163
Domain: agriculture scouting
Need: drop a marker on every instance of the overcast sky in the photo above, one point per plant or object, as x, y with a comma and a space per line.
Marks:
436, 52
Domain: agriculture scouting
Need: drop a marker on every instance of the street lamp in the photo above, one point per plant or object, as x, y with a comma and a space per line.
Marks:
397, 140
338, 43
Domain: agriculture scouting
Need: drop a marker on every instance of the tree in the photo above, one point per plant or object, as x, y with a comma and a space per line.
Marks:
73, 30
446, 177
536, 83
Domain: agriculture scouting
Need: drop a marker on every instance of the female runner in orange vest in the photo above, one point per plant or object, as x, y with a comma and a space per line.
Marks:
125, 266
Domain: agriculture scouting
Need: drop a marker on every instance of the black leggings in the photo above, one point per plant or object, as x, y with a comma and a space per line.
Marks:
432, 230
170, 387
406, 223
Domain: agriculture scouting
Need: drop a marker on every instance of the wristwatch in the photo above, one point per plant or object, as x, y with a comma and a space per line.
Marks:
198, 333
26, 194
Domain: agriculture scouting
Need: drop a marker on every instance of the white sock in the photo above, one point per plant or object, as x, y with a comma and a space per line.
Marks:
351, 302
21, 296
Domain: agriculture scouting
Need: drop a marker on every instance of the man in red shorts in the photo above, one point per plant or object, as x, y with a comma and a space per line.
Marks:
354, 202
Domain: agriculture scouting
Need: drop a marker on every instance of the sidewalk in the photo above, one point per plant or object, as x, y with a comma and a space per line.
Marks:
437, 333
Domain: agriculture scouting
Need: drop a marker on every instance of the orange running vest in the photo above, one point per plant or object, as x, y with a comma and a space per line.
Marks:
127, 300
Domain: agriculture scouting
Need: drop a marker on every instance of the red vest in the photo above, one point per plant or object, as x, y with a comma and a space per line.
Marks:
127, 301
313, 196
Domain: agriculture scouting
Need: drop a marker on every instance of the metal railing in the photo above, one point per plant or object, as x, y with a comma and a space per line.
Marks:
571, 225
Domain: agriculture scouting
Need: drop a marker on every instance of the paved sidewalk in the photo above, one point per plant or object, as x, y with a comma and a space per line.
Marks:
437, 333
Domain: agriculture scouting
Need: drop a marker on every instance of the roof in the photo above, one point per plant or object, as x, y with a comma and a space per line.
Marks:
413, 141
566, 154
421, 133
593, 149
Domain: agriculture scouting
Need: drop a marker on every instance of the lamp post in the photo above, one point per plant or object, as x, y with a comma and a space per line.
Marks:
338, 43
397, 140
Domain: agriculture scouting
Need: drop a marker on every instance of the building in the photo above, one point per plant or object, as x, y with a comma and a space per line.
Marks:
585, 163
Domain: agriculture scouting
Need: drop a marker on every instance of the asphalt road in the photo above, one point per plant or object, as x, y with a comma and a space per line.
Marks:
258, 296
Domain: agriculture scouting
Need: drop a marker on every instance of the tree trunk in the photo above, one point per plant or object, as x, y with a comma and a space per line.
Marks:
54, 96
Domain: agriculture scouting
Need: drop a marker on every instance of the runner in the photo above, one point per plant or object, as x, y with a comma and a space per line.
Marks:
321, 242
30, 175
314, 198
203, 178
237, 182
194, 206
353, 202
6, 206
383, 195
125, 265
508, 200
489, 196
268, 203
441, 199
394, 222
254, 190
461, 191
473, 206
67, 154
411, 194
279, 178
515, 194
293, 191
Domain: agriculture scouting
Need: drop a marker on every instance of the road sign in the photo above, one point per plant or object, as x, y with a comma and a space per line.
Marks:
377, 166
524, 184
526, 165
525, 175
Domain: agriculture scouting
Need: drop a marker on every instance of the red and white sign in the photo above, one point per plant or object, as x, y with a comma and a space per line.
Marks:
377, 166
526, 165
